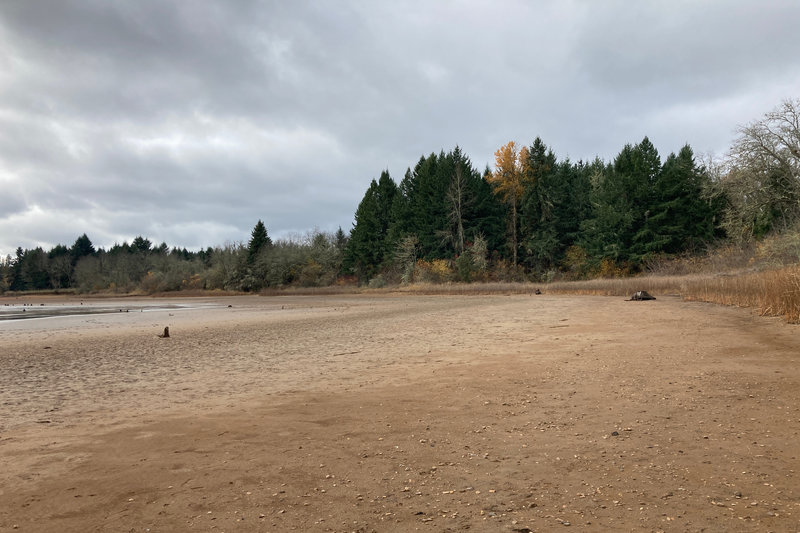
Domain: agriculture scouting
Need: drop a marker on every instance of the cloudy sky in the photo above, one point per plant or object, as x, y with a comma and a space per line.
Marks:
186, 122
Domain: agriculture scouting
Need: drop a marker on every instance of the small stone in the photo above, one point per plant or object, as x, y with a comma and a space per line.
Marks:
615, 434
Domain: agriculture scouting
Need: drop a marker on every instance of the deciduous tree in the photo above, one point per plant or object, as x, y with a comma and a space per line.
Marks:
762, 183
508, 182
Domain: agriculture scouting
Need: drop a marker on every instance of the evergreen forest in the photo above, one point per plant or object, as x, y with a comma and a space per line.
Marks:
534, 216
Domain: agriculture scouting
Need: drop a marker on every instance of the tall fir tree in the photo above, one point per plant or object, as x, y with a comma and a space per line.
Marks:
623, 197
259, 241
83, 246
421, 207
538, 207
555, 203
369, 244
680, 218
444, 202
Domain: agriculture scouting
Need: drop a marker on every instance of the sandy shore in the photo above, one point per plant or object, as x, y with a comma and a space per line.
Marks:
401, 413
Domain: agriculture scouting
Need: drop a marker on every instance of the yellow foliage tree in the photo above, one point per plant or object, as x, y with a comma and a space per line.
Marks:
508, 182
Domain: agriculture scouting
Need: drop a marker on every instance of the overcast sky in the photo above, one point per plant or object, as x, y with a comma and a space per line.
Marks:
186, 122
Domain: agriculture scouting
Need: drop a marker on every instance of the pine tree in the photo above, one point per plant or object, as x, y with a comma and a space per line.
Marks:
538, 209
141, 244
422, 208
486, 214
340, 240
680, 219
369, 245
16, 283
82, 247
259, 240
555, 203
623, 197
443, 202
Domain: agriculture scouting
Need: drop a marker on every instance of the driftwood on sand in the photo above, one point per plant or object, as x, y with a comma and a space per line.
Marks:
641, 295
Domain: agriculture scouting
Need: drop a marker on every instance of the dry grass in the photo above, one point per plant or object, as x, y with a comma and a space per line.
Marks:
774, 292
467, 289
331, 290
770, 292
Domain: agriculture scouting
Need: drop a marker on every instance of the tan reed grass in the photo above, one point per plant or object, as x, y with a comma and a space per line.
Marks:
773, 292
770, 292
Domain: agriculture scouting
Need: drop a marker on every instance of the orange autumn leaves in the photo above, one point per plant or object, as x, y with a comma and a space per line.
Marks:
508, 181
509, 176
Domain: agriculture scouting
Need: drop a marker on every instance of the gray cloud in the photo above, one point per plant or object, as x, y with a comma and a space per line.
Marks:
187, 122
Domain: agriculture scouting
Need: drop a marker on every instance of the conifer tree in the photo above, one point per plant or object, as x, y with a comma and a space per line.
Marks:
444, 202
555, 203
369, 243
623, 197
259, 240
538, 207
680, 218
82, 247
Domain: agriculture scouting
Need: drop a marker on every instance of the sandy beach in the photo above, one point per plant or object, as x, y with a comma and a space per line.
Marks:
399, 413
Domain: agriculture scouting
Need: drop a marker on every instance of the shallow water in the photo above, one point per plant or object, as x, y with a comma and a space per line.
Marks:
33, 311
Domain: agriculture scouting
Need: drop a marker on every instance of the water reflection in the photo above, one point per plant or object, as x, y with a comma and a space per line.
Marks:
30, 311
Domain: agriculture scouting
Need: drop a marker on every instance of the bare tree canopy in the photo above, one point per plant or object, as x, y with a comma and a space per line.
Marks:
763, 180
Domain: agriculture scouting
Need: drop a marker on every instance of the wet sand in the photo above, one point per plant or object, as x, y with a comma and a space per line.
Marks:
401, 413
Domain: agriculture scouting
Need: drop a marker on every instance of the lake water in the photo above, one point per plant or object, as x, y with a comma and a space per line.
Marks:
34, 311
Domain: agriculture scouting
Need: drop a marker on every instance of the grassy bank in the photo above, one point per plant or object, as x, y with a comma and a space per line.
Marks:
770, 292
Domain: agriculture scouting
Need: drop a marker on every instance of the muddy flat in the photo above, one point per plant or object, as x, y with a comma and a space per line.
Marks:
400, 413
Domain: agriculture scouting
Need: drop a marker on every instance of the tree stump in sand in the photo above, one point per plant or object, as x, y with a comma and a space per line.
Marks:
641, 295
165, 335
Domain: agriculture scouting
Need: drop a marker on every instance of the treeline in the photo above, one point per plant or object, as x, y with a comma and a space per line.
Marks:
537, 217
314, 260
534, 216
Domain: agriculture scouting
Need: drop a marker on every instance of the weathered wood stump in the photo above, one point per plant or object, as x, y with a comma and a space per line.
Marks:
165, 335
